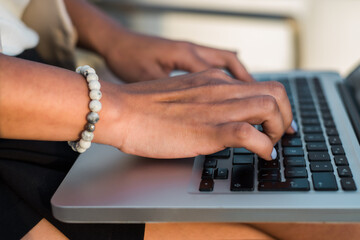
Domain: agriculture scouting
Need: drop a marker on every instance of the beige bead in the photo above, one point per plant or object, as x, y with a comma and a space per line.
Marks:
88, 71
87, 136
84, 144
79, 148
95, 105
95, 95
92, 77
94, 85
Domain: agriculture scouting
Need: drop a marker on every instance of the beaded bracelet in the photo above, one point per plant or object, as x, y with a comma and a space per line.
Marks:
95, 106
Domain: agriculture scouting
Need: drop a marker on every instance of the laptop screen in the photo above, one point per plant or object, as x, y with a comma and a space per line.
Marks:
353, 83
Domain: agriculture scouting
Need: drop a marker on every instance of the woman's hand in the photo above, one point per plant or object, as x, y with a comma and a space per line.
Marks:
134, 57
195, 114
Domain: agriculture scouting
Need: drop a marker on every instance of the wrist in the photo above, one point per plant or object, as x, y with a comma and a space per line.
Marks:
109, 129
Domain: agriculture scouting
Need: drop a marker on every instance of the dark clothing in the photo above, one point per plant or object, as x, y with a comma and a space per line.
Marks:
30, 173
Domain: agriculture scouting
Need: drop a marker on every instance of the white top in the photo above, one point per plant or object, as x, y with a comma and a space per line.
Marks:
15, 36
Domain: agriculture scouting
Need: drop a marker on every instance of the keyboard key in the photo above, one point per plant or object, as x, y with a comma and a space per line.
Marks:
316, 146
329, 123
242, 178
222, 154
264, 164
210, 163
241, 151
341, 160
243, 159
293, 151
344, 171
326, 115
314, 138
206, 185
332, 132
321, 167
312, 129
319, 156
324, 181
269, 175
221, 173
208, 173
294, 184
294, 161
334, 140
295, 172
291, 142
337, 150
348, 184
308, 114
310, 121
305, 107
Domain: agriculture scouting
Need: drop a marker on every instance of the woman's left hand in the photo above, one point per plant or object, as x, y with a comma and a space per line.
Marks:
135, 57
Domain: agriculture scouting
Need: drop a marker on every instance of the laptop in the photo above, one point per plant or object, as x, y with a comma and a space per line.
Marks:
316, 177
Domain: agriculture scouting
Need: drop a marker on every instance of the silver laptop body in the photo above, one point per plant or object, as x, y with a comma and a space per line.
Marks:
108, 186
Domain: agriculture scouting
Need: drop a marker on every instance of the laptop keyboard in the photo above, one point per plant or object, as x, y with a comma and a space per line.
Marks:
313, 158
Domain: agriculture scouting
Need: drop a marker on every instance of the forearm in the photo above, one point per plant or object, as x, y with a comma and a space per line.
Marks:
96, 31
42, 102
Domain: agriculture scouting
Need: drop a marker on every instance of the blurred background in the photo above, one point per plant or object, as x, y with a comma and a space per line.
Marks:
269, 35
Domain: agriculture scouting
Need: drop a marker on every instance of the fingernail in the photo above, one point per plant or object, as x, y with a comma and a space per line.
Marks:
273, 154
294, 126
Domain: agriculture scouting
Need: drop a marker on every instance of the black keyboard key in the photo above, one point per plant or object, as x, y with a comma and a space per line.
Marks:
294, 161
306, 107
210, 163
334, 140
337, 150
344, 171
269, 175
332, 132
208, 173
206, 185
295, 172
348, 184
324, 181
243, 159
221, 173
329, 123
309, 114
314, 138
222, 154
241, 151
316, 146
293, 151
312, 129
321, 167
264, 164
291, 142
294, 184
326, 115
319, 156
310, 121
242, 178
341, 160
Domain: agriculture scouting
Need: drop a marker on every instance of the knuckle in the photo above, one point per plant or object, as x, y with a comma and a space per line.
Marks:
216, 73
243, 130
277, 89
268, 104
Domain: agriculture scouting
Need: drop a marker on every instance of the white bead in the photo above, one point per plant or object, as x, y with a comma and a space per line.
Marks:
92, 77
95, 95
83, 68
79, 148
78, 69
84, 144
94, 85
95, 105
87, 136
88, 71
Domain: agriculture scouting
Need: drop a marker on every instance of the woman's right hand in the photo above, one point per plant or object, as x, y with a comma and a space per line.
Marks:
196, 114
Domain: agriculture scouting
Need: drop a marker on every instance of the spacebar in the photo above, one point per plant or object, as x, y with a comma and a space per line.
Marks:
301, 184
